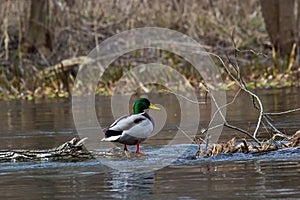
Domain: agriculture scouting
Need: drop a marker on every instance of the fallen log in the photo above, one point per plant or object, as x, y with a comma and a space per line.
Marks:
64, 65
72, 150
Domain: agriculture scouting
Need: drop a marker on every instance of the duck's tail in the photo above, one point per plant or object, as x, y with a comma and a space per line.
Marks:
111, 139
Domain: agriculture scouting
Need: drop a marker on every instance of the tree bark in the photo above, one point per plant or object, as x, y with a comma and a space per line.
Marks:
281, 20
39, 33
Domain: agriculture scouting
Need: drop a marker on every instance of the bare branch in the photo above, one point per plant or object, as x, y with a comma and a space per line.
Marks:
241, 83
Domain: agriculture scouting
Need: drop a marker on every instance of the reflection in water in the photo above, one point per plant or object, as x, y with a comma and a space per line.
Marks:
211, 180
47, 124
130, 186
237, 177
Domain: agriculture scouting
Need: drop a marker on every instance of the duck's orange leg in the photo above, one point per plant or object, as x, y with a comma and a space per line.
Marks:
138, 149
125, 147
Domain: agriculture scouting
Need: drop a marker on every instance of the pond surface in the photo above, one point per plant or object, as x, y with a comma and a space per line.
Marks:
44, 124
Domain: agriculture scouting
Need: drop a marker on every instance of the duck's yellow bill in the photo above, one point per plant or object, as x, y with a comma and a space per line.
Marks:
154, 107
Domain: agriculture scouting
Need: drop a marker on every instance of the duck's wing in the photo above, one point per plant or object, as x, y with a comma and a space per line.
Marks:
127, 122
113, 134
134, 125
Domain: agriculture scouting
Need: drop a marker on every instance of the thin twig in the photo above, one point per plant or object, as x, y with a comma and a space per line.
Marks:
189, 100
223, 106
273, 127
283, 112
211, 128
253, 52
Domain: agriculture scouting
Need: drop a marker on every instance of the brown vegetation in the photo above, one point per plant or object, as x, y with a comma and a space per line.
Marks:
76, 27
232, 146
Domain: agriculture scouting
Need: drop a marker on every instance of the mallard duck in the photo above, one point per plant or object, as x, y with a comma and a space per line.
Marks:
132, 129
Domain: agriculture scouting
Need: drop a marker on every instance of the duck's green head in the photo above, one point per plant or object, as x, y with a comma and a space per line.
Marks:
142, 104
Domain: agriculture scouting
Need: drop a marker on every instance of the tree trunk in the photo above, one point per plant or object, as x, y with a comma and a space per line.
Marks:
39, 30
281, 23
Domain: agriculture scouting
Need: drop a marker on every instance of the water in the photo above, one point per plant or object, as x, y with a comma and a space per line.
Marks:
46, 124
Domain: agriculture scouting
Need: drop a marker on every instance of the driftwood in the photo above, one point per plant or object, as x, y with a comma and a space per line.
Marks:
72, 150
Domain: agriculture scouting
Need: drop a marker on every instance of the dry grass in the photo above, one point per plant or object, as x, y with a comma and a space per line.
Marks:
233, 146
